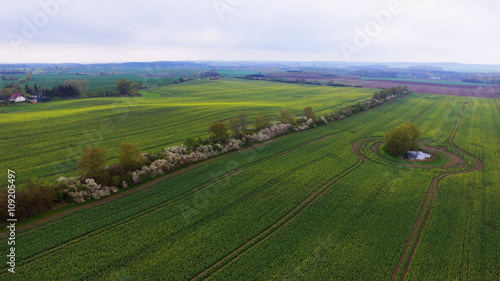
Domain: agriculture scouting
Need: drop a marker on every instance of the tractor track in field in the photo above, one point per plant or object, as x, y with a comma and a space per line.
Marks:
335, 106
421, 113
106, 228
129, 192
162, 205
256, 240
496, 104
430, 198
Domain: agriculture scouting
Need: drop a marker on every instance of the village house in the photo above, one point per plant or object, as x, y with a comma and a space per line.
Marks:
17, 98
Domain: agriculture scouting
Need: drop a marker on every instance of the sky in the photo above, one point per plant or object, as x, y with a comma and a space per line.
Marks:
92, 31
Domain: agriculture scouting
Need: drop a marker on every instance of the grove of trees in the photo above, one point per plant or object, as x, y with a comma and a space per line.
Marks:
401, 139
393, 91
126, 87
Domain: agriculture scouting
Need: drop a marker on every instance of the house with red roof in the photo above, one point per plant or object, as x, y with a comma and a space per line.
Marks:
17, 98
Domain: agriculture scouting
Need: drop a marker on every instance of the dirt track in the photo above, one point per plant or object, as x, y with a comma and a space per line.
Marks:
219, 265
429, 201
455, 160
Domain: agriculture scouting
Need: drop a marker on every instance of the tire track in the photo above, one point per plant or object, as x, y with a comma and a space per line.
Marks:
344, 103
160, 206
421, 113
131, 191
498, 107
129, 219
431, 197
222, 263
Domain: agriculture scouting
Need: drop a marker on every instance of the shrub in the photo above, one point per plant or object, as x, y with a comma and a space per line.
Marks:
116, 170
130, 157
234, 124
92, 161
261, 123
287, 117
116, 181
36, 198
309, 113
219, 132
191, 143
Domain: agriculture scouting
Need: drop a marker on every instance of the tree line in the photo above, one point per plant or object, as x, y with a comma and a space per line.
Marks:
40, 196
69, 89
393, 91
482, 80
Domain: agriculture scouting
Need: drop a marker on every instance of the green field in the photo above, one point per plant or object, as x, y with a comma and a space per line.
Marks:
146, 76
50, 136
314, 205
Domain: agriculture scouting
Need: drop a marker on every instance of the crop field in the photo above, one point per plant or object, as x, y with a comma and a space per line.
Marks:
429, 87
147, 76
51, 135
315, 205
437, 81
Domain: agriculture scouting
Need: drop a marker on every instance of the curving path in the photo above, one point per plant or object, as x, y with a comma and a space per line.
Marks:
425, 212
220, 264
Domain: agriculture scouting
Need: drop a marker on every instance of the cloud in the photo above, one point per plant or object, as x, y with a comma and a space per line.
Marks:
425, 30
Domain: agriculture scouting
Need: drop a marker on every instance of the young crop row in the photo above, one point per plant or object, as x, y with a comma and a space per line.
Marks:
300, 272
155, 196
108, 214
358, 146
359, 221
247, 198
466, 210
57, 131
356, 230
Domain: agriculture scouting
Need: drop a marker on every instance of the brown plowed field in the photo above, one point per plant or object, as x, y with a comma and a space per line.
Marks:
429, 88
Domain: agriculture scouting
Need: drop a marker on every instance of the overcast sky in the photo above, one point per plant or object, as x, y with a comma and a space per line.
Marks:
283, 30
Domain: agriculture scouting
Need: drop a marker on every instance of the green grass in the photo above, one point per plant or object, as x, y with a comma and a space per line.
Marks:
355, 230
50, 136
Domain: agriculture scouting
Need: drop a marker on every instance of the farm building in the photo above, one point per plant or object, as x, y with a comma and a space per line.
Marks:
17, 98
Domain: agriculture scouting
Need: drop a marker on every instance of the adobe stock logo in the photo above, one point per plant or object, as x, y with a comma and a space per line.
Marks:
372, 29
225, 6
48, 9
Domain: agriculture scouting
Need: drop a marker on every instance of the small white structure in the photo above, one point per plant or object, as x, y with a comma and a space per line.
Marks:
17, 98
417, 155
